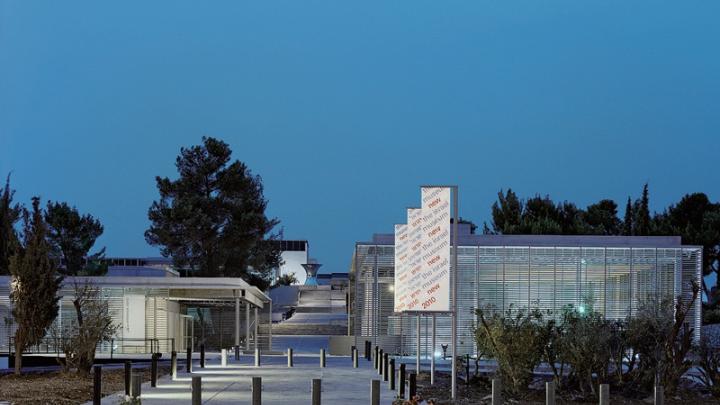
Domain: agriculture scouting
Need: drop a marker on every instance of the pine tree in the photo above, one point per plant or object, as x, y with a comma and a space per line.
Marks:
9, 214
627, 229
642, 214
212, 219
35, 284
71, 236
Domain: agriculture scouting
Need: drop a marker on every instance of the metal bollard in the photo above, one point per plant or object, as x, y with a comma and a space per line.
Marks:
136, 385
257, 357
367, 350
202, 356
322, 357
550, 393
173, 364
604, 394
659, 395
375, 357
496, 392
128, 368
97, 385
290, 357
237, 353
385, 367
379, 364
413, 386
392, 374
402, 380
188, 360
375, 392
316, 387
355, 358
196, 390
153, 370
467, 370
223, 357
256, 391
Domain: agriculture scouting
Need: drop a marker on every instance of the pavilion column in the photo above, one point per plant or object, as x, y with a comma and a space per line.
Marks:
237, 318
270, 325
257, 321
247, 326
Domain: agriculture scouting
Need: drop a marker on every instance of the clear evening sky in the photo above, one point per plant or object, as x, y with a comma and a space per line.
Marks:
345, 108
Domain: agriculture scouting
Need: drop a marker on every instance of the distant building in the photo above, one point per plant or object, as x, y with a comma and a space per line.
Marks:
294, 254
612, 274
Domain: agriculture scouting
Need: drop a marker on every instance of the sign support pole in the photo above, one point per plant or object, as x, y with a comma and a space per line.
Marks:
453, 292
417, 358
432, 353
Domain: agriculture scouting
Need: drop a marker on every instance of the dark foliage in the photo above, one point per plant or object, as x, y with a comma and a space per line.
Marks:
211, 220
35, 283
71, 237
9, 215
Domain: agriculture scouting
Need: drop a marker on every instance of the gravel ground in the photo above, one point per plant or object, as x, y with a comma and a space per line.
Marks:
61, 388
479, 393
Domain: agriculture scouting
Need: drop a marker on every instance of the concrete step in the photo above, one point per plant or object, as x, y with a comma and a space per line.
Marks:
309, 329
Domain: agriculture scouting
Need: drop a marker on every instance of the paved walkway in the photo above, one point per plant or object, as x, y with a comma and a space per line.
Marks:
341, 384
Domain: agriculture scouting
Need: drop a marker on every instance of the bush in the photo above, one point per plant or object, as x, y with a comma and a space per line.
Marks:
662, 339
585, 345
515, 340
708, 364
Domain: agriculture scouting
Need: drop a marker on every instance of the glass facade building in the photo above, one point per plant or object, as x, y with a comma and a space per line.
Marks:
614, 274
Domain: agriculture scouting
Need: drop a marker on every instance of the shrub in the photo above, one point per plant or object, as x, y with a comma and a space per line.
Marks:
585, 345
515, 340
708, 364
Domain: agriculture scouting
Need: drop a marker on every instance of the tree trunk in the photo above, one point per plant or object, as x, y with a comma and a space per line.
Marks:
18, 359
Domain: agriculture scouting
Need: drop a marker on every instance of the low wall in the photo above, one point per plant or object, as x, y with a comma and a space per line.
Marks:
341, 345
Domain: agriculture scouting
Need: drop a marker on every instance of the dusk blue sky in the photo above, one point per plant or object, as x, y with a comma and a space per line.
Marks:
345, 108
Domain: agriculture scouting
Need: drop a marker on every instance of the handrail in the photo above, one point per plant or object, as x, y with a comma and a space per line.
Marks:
55, 345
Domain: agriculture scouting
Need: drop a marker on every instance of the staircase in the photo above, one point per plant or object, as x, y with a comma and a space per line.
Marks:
320, 311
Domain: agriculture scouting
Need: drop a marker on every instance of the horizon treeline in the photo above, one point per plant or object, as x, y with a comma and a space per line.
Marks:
694, 218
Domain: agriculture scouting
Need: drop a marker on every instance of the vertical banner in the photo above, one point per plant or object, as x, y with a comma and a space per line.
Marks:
435, 240
414, 262
401, 275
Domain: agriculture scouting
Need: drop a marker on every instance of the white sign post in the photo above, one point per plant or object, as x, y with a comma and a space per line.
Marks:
423, 262
401, 275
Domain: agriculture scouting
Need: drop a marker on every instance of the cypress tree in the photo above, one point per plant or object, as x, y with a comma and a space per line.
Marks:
35, 284
627, 229
9, 214
642, 215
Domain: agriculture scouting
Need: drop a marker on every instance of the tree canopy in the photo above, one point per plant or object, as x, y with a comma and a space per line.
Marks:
35, 283
9, 215
695, 218
211, 220
71, 236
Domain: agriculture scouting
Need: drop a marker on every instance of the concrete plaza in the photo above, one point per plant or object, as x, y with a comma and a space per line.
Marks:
341, 383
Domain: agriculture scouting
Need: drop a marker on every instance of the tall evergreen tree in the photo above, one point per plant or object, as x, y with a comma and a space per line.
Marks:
212, 219
72, 236
35, 284
627, 227
642, 214
602, 218
9, 215
507, 213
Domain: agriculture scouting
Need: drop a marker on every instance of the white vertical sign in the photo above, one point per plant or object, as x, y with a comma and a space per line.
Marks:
414, 262
435, 238
401, 275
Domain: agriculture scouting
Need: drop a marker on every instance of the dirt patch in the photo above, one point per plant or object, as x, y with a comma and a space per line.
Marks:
479, 393
63, 388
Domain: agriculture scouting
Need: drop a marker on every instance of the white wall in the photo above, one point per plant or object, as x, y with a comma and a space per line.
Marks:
292, 264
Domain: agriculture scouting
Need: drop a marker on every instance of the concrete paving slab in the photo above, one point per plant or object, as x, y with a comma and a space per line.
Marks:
341, 384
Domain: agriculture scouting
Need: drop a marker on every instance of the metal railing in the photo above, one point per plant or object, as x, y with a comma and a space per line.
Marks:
112, 347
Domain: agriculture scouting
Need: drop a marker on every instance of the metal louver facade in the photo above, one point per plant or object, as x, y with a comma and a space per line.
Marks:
614, 275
